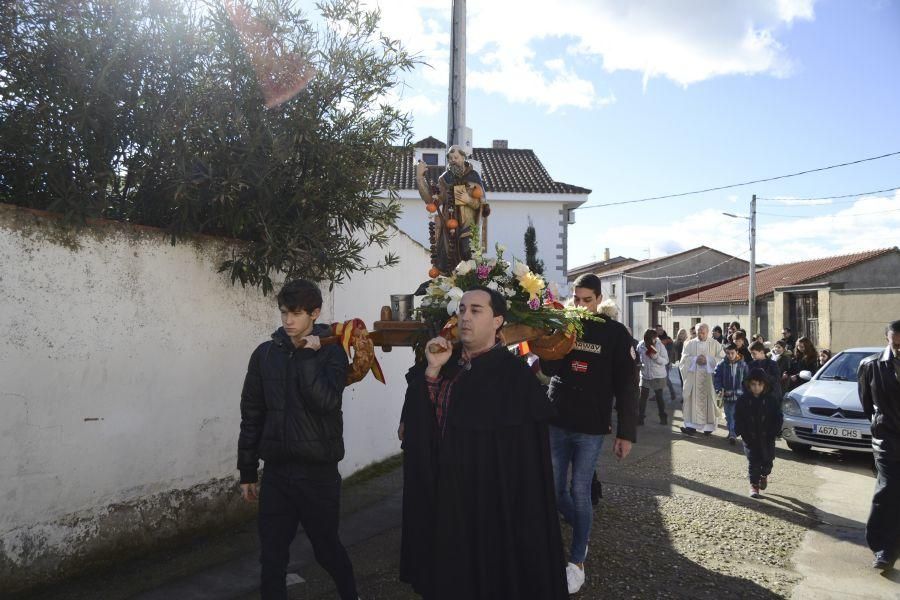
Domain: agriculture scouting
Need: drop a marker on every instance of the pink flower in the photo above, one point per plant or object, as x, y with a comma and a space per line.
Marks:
534, 304
483, 271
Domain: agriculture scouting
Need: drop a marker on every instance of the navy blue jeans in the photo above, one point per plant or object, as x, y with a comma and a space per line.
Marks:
883, 526
580, 450
760, 456
728, 408
286, 500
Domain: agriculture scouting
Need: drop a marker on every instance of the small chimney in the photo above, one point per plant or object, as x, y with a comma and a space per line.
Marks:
500, 144
606, 254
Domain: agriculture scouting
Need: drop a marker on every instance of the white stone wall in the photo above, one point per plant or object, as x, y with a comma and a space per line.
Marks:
121, 364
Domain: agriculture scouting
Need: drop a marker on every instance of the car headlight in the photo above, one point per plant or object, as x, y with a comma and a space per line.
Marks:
790, 407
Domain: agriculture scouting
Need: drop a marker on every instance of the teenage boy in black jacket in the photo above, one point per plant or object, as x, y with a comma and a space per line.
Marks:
758, 420
291, 418
599, 368
879, 392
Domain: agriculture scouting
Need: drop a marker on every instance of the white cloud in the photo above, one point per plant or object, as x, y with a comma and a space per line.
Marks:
870, 222
656, 38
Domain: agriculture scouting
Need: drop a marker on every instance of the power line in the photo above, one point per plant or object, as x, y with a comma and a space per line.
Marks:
734, 185
828, 197
747, 251
881, 212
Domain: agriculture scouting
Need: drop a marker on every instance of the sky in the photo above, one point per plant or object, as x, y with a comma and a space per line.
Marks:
641, 99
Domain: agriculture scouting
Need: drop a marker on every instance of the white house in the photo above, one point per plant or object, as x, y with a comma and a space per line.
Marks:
518, 188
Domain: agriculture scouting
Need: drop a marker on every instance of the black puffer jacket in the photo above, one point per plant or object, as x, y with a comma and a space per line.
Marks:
291, 405
758, 419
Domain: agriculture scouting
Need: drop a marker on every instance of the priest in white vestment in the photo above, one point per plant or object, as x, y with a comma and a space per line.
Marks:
697, 365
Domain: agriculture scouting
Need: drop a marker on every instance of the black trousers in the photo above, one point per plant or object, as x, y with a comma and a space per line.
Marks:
286, 500
660, 403
760, 456
883, 526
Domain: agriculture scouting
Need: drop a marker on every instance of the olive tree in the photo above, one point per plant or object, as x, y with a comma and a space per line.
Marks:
249, 119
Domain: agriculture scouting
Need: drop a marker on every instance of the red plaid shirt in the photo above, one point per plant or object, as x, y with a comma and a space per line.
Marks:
440, 388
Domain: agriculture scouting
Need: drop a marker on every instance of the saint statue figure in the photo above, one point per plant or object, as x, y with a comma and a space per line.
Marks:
458, 205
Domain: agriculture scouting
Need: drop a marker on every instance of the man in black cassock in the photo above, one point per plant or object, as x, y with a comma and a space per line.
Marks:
479, 508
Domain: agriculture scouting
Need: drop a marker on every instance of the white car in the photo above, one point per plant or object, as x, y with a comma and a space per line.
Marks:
825, 411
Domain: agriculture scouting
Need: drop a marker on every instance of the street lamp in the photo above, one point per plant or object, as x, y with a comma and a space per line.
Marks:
751, 300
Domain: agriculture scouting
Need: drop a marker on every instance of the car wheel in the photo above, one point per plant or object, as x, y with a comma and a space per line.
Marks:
799, 448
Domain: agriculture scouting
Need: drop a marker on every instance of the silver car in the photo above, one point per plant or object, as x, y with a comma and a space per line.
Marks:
825, 411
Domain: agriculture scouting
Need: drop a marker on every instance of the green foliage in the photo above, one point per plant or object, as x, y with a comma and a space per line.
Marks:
151, 112
534, 263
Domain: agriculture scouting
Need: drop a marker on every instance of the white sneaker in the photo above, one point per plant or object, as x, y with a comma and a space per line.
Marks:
574, 578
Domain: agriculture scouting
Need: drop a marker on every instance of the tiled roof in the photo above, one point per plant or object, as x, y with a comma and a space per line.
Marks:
503, 170
647, 262
600, 267
775, 277
430, 142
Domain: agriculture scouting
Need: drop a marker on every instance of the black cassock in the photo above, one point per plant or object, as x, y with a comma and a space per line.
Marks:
479, 509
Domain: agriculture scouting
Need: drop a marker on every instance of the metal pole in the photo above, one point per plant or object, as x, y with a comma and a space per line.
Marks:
456, 101
752, 290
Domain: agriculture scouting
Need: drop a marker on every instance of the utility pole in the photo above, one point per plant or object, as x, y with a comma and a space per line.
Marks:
752, 291
457, 132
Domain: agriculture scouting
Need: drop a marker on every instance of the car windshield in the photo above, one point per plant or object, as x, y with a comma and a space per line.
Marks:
842, 367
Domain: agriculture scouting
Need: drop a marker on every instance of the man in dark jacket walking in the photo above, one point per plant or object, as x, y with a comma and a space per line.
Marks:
291, 418
879, 392
479, 515
584, 383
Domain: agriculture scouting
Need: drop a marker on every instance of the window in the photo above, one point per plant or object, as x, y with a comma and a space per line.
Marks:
676, 327
430, 158
695, 320
613, 294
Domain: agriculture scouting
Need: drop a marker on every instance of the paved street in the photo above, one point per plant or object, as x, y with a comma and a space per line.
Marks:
675, 522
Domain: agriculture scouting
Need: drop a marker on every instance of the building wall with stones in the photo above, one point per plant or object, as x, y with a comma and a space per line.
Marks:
121, 364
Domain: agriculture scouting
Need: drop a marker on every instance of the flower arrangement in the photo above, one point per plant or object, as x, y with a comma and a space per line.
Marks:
529, 299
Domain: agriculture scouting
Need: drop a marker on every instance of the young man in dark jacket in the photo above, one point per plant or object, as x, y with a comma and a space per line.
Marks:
879, 392
758, 420
291, 418
584, 383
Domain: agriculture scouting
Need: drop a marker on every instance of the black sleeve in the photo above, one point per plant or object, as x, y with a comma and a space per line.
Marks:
322, 381
551, 367
253, 417
777, 417
624, 387
865, 388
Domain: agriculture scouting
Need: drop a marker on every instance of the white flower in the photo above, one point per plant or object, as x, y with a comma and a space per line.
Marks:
446, 285
426, 301
500, 248
492, 285
520, 269
454, 295
465, 266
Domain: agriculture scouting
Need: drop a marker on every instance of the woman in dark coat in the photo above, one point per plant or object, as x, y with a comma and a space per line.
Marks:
805, 359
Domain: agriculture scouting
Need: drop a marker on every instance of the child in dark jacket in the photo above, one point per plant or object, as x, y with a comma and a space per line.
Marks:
760, 361
758, 420
728, 380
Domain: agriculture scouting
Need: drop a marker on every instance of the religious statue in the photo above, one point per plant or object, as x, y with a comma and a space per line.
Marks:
458, 206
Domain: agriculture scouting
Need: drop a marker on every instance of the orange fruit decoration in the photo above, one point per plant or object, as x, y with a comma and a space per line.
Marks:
477, 192
433, 272
431, 207
452, 224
